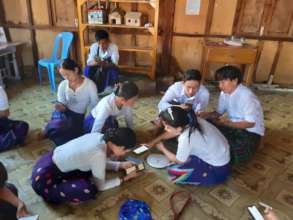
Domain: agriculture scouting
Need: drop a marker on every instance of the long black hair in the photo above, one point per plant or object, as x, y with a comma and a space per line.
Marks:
69, 64
127, 90
125, 137
178, 117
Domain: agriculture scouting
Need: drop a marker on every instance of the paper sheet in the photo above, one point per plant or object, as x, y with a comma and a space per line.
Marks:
192, 7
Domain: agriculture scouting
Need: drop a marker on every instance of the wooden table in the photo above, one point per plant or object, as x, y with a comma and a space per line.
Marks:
10, 49
218, 52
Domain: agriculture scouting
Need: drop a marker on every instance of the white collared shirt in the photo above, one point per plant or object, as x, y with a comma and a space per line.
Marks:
4, 105
176, 93
87, 153
85, 96
107, 107
111, 52
243, 105
210, 146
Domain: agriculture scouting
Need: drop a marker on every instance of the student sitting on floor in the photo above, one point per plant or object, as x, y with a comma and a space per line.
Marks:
187, 94
103, 62
244, 125
65, 174
12, 132
75, 94
202, 156
11, 207
103, 116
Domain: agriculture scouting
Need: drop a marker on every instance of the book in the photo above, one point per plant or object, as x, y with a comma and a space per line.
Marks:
139, 165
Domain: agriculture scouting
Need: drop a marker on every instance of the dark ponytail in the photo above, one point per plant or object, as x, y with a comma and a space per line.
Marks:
125, 137
69, 64
178, 117
127, 90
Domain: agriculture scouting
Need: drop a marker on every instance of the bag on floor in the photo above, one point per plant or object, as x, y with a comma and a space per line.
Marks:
135, 210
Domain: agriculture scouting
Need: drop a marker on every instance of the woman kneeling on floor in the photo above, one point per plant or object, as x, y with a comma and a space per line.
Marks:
202, 156
75, 171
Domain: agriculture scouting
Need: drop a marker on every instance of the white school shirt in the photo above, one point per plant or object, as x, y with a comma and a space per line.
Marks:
243, 105
210, 146
4, 105
85, 96
176, 92
107, 107
112, 51
87, 153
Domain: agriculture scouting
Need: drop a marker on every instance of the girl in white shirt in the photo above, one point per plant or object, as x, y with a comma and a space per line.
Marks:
12, 132
75, 95
75, 171
103, 116
244, 124
202, 156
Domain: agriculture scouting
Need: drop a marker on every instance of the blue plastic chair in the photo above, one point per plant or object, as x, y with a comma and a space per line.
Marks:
66, 38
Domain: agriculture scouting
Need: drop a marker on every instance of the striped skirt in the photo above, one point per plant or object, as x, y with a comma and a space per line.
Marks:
12, 133
56, 186
197, 172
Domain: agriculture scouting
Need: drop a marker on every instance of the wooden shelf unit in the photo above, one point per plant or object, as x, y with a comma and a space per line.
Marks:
148, 70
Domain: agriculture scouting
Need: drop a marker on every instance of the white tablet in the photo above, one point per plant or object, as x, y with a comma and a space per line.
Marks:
32, 217
253, 211
141, 149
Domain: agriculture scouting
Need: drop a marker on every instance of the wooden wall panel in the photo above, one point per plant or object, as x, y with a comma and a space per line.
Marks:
224, 12
121, 39
266, 61
190, 23
187, 51
251, 16
143, 58
15, 11
45, 41
64, 13
23, 35
284, 70
40, 12
147, 10
125, 7
281, 18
